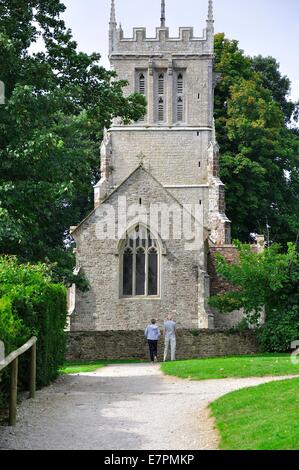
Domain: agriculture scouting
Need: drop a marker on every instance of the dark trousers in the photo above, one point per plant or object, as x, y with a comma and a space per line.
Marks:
153, 348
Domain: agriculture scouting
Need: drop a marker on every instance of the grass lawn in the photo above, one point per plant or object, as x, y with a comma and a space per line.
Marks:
76, 367
259, 418
236, 366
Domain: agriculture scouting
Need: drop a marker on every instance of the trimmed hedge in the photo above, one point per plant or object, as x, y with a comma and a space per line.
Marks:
31, 305
12, 329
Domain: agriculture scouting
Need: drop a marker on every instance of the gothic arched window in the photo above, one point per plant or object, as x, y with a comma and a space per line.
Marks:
161, 84
180, 110
180, 98
180, 84
140, 264
161, 110
161, 98
141, 87
142, 84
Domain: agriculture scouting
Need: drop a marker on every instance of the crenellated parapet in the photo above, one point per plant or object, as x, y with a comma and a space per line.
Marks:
185, 44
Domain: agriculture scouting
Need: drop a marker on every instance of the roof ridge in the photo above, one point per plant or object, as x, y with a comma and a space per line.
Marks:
139, 167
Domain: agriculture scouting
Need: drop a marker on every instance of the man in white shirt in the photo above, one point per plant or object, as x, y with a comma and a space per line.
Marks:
170, 338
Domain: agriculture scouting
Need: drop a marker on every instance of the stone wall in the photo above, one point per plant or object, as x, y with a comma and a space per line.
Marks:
231, 254
140, 44
132, 344
220, 286
103, 307
171, 155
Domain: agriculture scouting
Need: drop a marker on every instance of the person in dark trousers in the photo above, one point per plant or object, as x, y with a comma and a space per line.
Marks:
152, 334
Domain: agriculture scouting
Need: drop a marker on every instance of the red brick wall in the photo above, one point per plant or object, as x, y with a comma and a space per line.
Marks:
231, 254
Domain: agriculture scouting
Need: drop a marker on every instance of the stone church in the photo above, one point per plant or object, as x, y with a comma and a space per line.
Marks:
160, 205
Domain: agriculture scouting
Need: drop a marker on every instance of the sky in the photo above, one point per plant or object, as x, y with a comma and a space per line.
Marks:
266, 27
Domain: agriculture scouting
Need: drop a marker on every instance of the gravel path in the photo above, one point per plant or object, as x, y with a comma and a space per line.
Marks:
121, 407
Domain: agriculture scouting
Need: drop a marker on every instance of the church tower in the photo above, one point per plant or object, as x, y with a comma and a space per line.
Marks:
177, 133
169, 157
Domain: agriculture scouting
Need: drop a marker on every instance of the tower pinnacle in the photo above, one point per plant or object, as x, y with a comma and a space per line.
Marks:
112, 27
210, 13
163, 16
112, 14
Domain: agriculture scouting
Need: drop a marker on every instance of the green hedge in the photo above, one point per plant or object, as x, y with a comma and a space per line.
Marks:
12, 329
280, 329
31, 305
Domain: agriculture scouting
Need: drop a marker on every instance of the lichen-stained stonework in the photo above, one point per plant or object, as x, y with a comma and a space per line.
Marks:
171, 158
111, 345
102, 307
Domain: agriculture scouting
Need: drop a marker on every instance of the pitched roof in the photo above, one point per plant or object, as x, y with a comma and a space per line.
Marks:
139, 167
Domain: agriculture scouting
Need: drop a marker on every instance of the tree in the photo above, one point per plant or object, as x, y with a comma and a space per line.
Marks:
57, 104
280, 86
259, 151
268, 280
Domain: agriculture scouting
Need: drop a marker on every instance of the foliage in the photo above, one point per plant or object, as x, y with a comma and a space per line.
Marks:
13, 332
280, 330
259, 418
268, 280
280, 86
31, 305
259, 148
58, 102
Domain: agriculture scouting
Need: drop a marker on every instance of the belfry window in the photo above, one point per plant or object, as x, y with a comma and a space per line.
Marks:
161, 110
180, 110
140, 264
180, 84
180, 98
161, 97
161, 84
141, 84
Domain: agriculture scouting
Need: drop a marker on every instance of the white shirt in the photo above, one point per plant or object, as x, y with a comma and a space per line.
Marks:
170, 327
